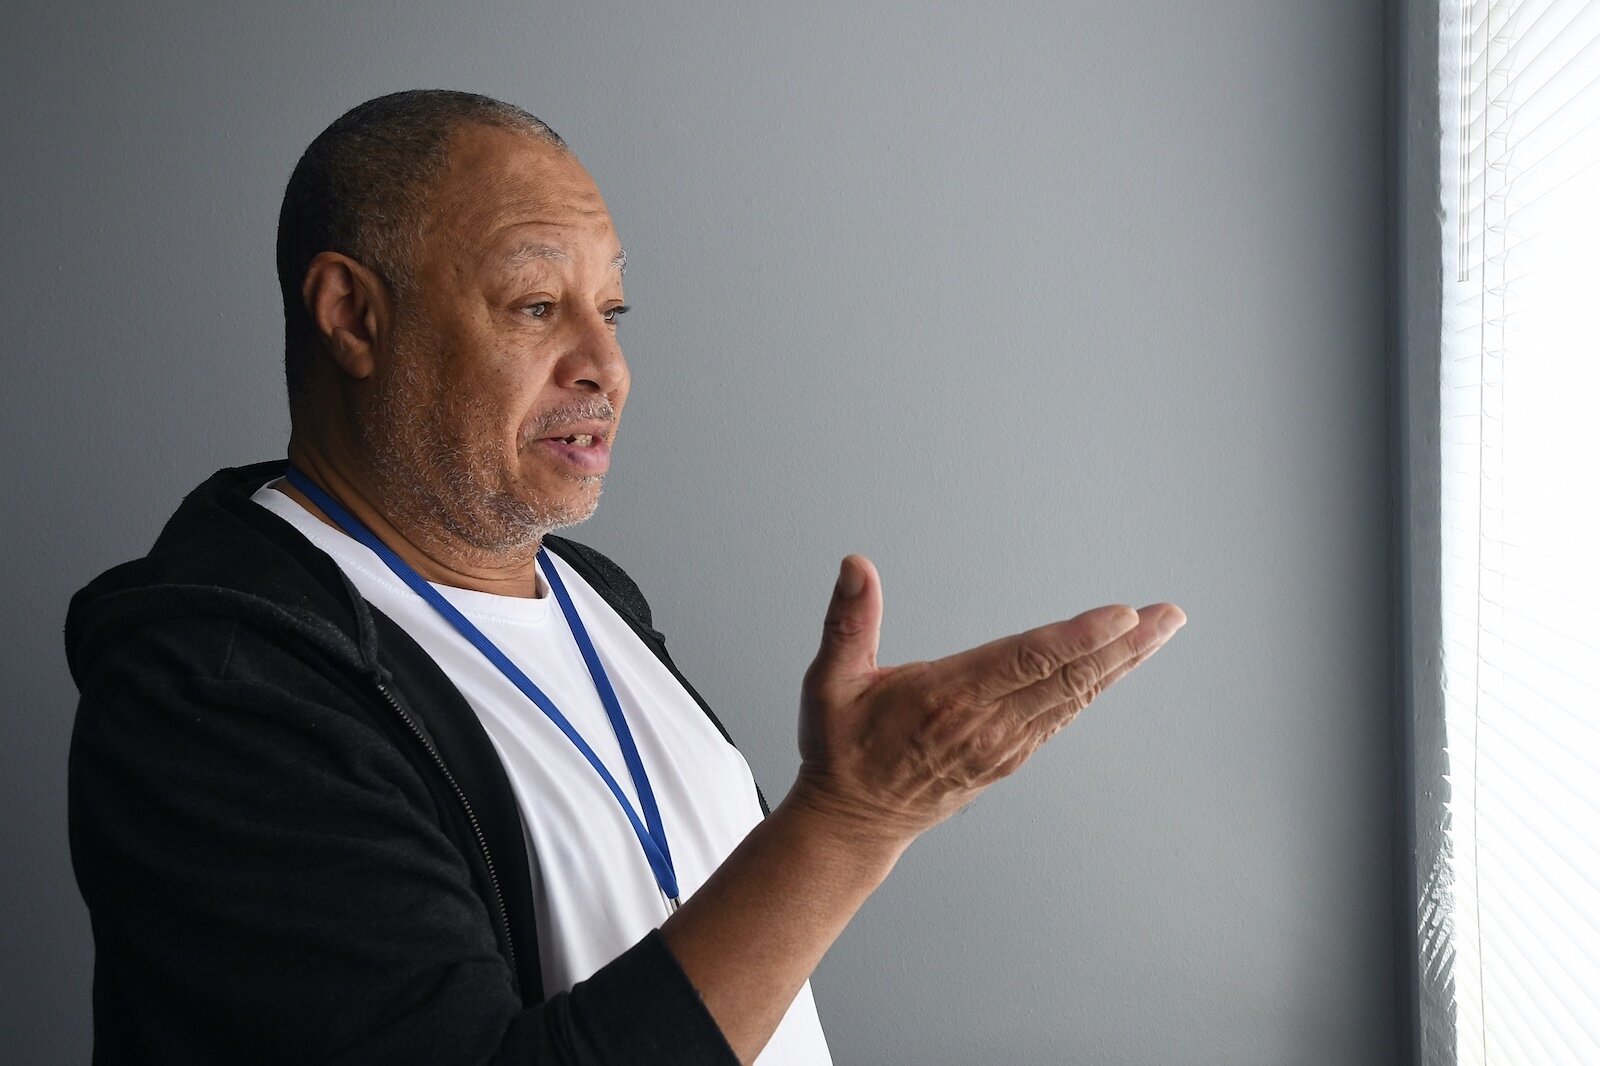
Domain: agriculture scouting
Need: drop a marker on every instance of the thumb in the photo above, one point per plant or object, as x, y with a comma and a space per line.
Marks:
849, 652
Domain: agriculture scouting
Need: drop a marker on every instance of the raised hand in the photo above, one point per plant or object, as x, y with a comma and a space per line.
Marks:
886, 753
889, 752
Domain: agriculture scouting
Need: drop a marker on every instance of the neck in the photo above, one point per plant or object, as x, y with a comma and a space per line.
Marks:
431, 552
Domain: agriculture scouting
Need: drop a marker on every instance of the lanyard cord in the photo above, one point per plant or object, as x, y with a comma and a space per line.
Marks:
652, 835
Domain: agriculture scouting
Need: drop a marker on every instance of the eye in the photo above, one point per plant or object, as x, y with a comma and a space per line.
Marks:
538, 310
616, 313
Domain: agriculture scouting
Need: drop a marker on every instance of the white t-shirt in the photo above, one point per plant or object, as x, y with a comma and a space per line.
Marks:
594, 894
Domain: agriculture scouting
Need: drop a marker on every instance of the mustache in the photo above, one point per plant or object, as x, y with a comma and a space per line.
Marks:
597, 409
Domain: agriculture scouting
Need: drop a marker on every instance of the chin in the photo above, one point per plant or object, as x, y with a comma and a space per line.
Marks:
576, 506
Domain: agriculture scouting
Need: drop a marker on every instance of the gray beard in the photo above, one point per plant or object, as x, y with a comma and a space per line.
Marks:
431, 483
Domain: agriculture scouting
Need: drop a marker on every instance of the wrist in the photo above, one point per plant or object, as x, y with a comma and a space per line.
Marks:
833, 823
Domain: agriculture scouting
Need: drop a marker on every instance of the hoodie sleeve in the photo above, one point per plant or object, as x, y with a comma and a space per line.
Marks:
269, 881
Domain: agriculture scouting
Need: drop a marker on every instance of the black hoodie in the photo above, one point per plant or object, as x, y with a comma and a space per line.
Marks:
295, 840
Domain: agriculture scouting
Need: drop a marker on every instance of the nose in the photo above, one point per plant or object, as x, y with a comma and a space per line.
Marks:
593, 360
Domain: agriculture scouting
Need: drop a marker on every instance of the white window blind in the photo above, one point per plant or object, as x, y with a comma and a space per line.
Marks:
1520, 525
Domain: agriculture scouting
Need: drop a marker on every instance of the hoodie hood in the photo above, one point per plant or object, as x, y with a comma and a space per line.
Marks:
221, 554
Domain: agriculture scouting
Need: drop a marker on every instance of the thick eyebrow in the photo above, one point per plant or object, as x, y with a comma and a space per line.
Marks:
529, 251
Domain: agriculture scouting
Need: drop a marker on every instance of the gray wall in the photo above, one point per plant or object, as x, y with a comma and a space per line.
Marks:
1042, 307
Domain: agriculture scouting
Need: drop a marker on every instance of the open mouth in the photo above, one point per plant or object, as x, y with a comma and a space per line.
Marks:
588, 453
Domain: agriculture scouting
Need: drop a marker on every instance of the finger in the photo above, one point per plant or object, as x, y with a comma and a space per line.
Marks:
995, 670
1127, 667
1076, 685
848, 656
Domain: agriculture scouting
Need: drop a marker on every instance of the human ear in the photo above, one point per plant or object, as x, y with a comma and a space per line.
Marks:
347, 303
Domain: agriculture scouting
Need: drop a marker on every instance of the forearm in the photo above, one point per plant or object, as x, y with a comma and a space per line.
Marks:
754, 932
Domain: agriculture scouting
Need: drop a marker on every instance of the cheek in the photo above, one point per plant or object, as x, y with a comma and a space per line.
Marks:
473, 412
490, 374
510, 392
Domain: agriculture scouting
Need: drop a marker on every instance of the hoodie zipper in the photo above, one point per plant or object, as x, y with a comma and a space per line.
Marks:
472, 818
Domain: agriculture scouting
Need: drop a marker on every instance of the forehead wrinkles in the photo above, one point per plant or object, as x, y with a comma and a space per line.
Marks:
494, 180
499, 233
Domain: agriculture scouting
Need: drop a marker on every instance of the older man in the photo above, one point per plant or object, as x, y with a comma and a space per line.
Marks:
370, 767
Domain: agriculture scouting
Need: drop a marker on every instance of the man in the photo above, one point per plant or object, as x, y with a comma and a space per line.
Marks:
371, 767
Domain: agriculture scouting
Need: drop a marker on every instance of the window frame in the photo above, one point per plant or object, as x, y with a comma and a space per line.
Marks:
1416, 170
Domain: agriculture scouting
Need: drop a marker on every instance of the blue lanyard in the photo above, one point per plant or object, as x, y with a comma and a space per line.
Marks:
652, 835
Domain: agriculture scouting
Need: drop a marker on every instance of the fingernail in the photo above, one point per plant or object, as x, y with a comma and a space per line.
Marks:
852, 579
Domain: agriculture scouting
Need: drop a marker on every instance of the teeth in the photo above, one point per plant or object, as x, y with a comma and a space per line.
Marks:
583, 440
